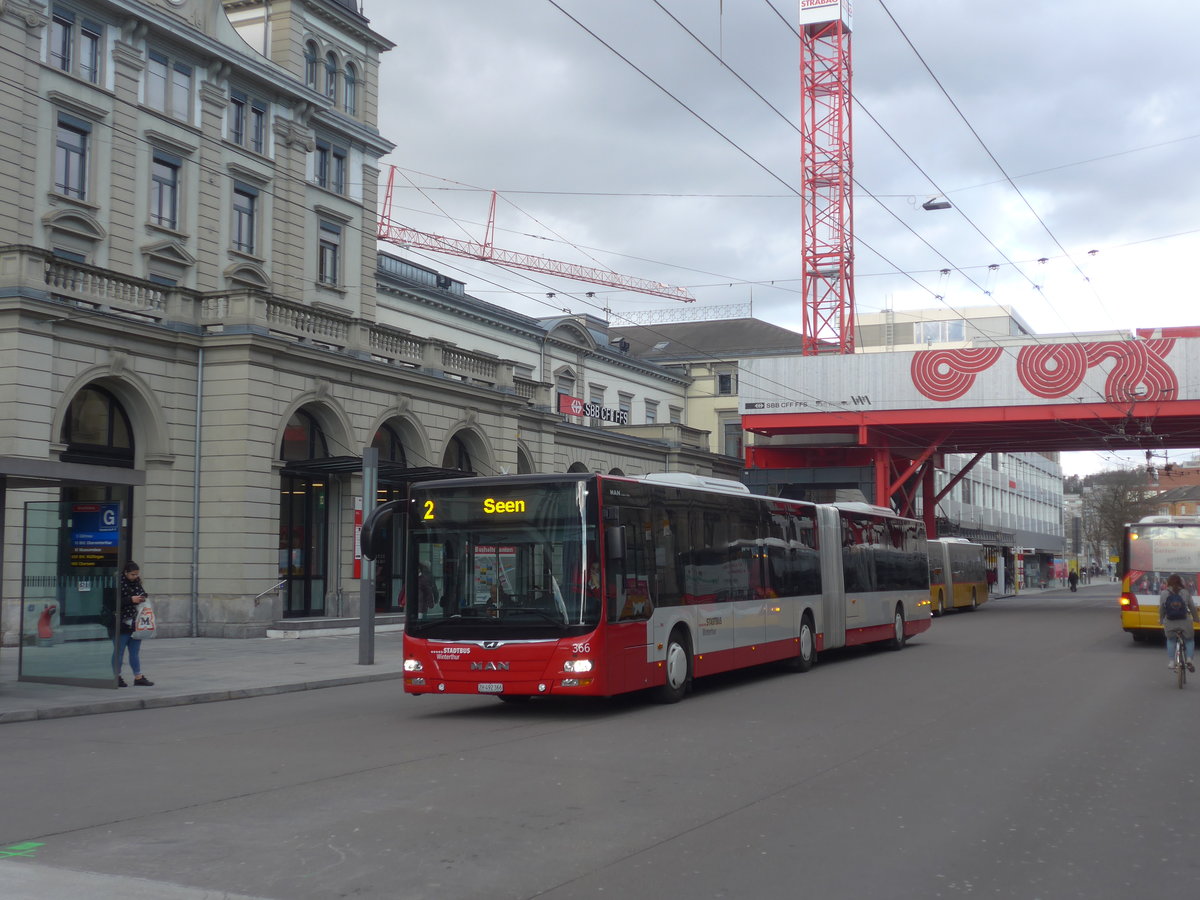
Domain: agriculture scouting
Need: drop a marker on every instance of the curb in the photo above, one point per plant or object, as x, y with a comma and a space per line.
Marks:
109, 706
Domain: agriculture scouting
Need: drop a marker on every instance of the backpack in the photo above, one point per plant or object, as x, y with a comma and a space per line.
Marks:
1174, 608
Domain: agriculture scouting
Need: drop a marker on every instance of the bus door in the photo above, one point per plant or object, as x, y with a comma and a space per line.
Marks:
833, 604
629, 595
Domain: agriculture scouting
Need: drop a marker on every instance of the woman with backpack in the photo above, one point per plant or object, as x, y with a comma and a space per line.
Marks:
1176, 613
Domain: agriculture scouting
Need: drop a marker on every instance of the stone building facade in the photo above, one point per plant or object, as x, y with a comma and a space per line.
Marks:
195, 320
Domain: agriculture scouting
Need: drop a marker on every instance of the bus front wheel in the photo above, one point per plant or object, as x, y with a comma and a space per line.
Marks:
678, 668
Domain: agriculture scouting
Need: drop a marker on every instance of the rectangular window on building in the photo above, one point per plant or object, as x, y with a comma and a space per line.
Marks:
71, 156
62, 39
74, 44
321, 164
651, 412
676, 415
329, 253
726, 383
329, 167
247, 121
169, 86
238, 112
944, 331
337, 178
164, 190
245, 217
625, 406
731, 438
258, 126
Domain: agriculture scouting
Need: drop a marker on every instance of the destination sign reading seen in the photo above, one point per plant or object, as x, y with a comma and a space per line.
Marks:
490, 506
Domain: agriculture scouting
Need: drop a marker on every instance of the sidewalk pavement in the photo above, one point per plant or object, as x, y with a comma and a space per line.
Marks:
203, 670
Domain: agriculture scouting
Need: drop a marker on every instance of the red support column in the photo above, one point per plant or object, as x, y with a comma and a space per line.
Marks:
883, 472
928, 506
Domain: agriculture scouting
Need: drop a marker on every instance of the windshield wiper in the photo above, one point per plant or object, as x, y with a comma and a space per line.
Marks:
556, 619
456, 622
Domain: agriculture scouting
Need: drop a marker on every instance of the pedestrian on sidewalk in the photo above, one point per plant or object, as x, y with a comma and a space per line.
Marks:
1073, 579
133, 593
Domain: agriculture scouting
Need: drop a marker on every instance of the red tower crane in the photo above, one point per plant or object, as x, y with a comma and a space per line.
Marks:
827, 218
403, 236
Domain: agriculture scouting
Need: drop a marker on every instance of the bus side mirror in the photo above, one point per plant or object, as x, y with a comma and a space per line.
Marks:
371, 539
614, 542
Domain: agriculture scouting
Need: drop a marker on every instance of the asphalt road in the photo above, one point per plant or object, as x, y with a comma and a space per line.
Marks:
1027, 750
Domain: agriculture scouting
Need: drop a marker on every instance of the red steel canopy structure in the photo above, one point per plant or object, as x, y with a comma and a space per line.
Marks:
899, 412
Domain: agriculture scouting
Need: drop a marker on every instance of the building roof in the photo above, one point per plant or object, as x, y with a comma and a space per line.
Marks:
722, 338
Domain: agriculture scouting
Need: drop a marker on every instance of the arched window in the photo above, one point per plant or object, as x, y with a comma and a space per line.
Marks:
387, 442
331, 70
310, 65
303, 438
457, 456
96, 430
351, 90
303, 520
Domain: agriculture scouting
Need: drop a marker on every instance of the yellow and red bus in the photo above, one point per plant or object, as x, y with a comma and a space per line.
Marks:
1153, 548
598, 585
957, 574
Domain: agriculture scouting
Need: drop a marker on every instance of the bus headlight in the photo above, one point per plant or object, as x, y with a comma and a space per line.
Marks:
413, 665
577, 665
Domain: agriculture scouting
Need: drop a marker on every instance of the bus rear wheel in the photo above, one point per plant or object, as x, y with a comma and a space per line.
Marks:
678, 668
940, 608
974, 600
897, 640
806, 647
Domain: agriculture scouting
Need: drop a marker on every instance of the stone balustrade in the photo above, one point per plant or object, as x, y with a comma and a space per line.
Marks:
30, 271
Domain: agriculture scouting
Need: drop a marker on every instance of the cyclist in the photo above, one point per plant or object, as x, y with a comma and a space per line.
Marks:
1176, 613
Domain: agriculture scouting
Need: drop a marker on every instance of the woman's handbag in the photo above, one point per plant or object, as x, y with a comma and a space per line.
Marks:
143, 622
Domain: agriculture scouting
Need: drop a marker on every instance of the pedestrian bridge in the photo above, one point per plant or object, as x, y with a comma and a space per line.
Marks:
899, 411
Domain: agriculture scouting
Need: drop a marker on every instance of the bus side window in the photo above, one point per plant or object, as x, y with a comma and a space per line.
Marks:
632, 576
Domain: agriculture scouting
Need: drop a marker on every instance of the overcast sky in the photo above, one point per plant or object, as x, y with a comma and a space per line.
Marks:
1066, 131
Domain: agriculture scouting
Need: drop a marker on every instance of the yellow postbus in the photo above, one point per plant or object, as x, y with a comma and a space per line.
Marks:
1153, 548
957, 575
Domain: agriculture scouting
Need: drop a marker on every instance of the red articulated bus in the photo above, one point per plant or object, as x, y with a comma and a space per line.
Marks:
538, 585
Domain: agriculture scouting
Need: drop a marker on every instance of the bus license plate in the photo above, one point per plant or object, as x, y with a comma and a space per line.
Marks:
491, 687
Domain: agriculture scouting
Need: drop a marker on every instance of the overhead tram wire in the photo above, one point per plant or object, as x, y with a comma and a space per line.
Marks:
939, 190
750, 87
889, 211
996, 162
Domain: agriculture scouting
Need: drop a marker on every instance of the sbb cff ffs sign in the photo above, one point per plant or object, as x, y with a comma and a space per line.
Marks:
574, 406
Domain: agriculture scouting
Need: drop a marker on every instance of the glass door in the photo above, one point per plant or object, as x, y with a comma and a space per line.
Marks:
303, 544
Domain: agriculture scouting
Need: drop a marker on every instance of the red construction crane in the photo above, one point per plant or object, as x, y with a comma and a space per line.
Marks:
403, 236
826, 173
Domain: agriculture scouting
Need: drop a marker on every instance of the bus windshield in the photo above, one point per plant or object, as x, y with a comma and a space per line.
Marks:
500, 561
